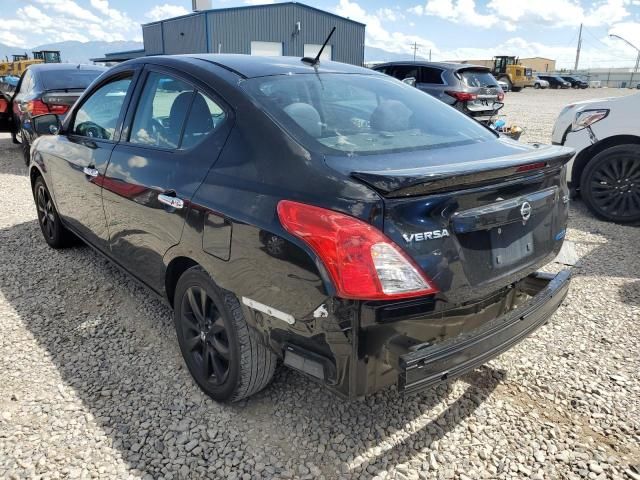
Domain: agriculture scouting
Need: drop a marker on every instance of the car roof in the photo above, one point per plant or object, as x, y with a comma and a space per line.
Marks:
50, 67
445, 65
249, 66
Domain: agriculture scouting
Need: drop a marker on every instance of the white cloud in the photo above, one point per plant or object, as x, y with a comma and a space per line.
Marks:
160, 12
69, 8
510, 14
259, 2
630, 31
11, 39
390, 14
376, 35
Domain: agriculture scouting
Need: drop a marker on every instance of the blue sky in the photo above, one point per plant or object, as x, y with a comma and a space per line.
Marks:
452, 29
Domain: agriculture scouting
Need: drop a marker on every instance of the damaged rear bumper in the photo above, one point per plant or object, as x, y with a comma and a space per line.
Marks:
428, 365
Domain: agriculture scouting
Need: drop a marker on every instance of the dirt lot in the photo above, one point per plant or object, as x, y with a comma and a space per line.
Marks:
92, 383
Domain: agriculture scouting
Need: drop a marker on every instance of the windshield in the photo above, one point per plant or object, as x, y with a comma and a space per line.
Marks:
361, 114
478, 78
68, 79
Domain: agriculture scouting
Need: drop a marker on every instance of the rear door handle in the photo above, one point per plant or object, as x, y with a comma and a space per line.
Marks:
174, 202
90, 171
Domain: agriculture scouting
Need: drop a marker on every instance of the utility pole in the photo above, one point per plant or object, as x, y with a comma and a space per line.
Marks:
415, 47
578, 49
637, 60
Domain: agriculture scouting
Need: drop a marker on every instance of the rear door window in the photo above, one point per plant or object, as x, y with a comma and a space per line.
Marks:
431, 75
478, 78
405, 71
161, 112
205, 116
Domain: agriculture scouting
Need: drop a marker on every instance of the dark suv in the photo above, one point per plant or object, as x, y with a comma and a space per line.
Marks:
320, 215
471, 89
555, 81
575, 82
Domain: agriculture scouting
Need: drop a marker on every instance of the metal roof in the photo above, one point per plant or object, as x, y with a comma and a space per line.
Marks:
248, 7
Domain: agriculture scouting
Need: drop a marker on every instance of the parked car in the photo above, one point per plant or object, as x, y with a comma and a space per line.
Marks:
555, 81
8, 83
504, 86
47, 88
319, 213
575, 82
606, 168
469, 88
540, 83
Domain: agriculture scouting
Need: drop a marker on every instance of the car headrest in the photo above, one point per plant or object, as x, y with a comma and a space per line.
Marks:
390, 116
306, 116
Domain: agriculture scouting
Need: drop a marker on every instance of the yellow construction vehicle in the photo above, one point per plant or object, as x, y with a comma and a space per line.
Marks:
509, 70
20, 62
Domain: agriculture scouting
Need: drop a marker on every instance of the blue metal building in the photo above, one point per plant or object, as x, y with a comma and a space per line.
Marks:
289, 28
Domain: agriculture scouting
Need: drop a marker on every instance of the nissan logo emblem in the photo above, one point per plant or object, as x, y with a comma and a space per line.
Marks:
525, 211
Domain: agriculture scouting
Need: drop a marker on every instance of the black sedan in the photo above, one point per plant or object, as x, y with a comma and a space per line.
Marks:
319, 214
47, 88
575, 82
555, 81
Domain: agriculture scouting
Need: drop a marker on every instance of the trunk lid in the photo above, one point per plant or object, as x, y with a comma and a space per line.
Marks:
474, 224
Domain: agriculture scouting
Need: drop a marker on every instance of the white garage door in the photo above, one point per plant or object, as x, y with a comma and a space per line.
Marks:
266, 49
311, 50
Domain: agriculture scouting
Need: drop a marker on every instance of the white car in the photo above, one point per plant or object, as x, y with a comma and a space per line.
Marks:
606, 168
540, 83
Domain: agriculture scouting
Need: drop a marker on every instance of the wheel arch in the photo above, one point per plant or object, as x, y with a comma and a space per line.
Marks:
585, 156
175, 269
34, 173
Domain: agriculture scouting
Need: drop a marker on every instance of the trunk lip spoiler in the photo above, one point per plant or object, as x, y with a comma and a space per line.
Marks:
424, 180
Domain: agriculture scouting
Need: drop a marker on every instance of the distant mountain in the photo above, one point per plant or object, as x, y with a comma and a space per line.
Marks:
74, 52
373, 54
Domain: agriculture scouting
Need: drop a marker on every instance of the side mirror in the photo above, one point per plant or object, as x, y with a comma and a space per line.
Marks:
411, 81
47, 124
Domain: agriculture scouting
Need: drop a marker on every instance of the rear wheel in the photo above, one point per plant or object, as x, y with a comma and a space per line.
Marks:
14, 138
610, 184
224, 357
26, 147
516, 89
54, 233
536, 86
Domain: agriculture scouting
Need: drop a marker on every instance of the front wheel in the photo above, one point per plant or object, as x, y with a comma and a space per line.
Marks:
536, 86
225, 358
610, 184
54, 233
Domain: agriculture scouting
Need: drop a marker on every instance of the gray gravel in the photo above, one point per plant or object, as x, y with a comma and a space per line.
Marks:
92, 383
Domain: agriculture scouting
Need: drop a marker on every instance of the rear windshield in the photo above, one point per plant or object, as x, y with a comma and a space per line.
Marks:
361, 114
478, 78
68, 79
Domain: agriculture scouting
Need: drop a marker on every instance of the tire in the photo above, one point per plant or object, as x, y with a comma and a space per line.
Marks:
536, 86
237, 363
610, 184
54, 233
26, 148
14, 138
516, 89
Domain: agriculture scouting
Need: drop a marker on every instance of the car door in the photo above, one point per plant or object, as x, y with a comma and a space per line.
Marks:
79, 161
176, 133
6, 115
20, 102
430, 80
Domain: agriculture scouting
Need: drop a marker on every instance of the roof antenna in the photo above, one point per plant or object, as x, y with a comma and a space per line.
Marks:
316, 61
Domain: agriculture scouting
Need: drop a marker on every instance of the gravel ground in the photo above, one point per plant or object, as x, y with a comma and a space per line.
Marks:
93, 385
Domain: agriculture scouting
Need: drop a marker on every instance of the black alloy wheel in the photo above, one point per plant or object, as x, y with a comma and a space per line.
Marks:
54, 233
610, 184
205, 336
226, 359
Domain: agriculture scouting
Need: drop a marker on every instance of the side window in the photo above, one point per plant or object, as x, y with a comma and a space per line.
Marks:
205, 116
431, 75
161, 111
27, 81
98, 115
405, 71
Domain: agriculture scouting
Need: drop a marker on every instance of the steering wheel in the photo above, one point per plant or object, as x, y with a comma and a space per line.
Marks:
92, 130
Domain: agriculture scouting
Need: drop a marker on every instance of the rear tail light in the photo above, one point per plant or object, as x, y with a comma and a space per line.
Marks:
37, 107
531, 166
363, 263
58, 109
4, 105
500, 96
462, 96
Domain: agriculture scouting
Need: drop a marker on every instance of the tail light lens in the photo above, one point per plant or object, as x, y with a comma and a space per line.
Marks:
4, 105
37, 107
363, 263
500, 96
462, 96
58, 109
